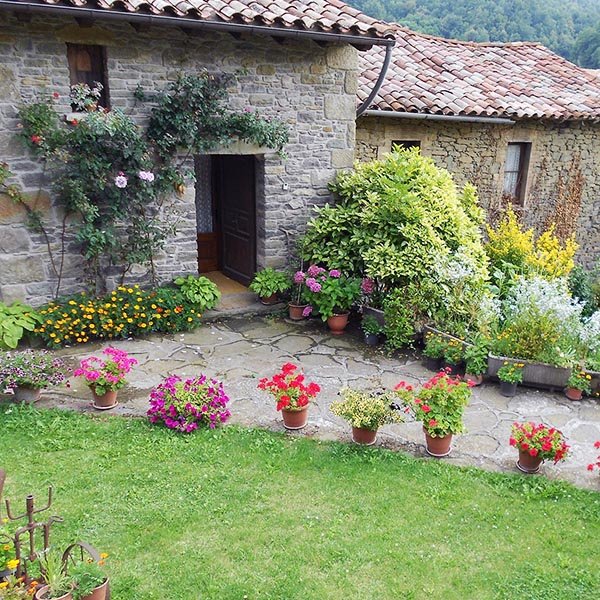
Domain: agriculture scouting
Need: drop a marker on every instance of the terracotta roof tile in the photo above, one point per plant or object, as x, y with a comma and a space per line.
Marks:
322, 16
515, 80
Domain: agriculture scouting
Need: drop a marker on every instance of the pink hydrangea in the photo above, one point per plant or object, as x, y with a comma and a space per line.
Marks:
307, 311
313, 285
299, 276
146, 176
367, 286
335, 273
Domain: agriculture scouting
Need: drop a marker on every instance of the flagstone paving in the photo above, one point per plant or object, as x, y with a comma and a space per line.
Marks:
239, 351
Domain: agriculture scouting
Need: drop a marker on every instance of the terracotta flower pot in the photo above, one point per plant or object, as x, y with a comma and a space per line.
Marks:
99, 593
366, 437
508, 389
27, 394
527, 463
268, 300
474, 379
42, 594
573, 393
296, 311
295, 419
104, 402
337, 323
438, 446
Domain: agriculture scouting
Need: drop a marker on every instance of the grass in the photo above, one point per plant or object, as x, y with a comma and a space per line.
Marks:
241, 513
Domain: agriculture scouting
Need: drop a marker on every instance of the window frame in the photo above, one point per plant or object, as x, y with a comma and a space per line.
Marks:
522, 171
98, 58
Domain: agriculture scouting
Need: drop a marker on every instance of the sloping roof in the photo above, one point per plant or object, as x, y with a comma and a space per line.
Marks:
303, 16
519, 80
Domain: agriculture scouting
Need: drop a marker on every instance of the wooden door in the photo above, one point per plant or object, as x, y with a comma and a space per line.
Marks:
235, 215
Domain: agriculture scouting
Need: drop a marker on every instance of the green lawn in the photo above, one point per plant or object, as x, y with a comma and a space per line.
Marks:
238, 513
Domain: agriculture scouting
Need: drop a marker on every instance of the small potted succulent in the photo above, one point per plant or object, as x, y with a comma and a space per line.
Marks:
453, 357
537, 442
476, 360
27, 372
292, 394
372, 329
439, 405
331, 295
90, 581
366, 412
105, 376
57, 584
510, 375
268, 284
435, 347
579, 383
185, 405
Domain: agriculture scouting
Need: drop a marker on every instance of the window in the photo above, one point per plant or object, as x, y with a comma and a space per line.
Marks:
87, 64
406, 144
515, 171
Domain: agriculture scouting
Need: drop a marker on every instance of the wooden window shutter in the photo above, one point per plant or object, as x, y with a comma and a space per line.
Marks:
87, 64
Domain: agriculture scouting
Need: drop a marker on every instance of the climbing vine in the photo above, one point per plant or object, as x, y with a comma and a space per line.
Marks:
114, 178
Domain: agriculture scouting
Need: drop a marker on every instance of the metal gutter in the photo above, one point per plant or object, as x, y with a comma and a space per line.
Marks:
429, 117
191, 23
384, 69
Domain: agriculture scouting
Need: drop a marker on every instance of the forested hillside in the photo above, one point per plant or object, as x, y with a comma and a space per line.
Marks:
569, 27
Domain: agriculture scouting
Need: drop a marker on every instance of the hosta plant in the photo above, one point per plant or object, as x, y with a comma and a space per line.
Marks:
439, 404
15, 320
365, 410
185, 405
289, 388
539, 440
268, 282
199, 291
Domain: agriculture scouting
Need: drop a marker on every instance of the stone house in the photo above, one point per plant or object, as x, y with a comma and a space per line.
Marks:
516, 120
300, 61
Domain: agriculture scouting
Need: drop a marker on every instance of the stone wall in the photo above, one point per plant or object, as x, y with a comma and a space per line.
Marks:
310, 87
563, 181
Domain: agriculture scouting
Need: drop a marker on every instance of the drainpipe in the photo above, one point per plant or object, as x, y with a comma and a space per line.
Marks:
428, 117
386, 63
190, 23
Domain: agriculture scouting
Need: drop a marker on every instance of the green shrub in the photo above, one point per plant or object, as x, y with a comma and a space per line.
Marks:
401, 221
582, 286
199, 291
127, 311
15, 320
399, 321
269, 281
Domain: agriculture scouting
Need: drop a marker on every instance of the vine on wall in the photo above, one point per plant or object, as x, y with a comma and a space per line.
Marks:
114, 178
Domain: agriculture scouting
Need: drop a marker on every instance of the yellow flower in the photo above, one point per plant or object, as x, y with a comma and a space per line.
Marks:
103, 555
12, 564
3, 585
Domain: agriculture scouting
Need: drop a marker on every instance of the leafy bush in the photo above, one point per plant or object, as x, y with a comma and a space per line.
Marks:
476, 355
269, 281
400, 221
365, 410
515, 250
15, 320
199, 291
329, 292
582, 286
399, 321
127, 311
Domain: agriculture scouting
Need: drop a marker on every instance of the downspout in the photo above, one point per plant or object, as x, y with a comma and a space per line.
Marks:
386, 63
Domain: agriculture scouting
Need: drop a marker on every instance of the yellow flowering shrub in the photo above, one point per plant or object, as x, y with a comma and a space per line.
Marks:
509, 242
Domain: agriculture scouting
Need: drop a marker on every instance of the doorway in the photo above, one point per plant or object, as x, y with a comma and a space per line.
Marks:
226, 215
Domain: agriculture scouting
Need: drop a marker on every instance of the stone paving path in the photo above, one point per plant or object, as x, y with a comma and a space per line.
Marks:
241, 350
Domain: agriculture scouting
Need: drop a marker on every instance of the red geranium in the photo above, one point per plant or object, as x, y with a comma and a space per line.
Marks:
539, 440
595, 465
36, 139
289, 389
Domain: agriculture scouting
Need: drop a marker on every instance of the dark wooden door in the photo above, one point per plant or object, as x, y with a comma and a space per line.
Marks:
235, 214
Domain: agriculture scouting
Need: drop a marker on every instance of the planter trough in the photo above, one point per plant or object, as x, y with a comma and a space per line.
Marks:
534, 374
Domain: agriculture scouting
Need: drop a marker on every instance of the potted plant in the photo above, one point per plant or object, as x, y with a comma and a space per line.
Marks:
90, 582
453, 356
298, 306
185, 405
27, 372
366, 412
331, 295
372, 329
85, 98
476, 360
268, 284
58, 585
439, 405
435, 346
537, 442
510, 375
292, 395
579, 383
595, 465
8, 561
105, 376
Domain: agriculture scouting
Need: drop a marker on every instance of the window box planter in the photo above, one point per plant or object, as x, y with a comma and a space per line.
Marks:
534, 374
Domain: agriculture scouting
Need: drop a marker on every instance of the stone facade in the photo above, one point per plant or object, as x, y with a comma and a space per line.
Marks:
563, 177
311, 87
